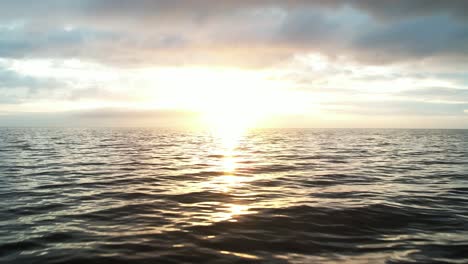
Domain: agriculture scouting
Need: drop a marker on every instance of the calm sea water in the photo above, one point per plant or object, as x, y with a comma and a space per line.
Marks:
281, 196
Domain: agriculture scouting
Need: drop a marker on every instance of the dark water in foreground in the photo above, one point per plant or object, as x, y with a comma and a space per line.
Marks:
283, 196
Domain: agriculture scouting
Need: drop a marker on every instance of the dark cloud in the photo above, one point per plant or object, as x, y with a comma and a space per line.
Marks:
25, 42
248, 33
180, 32
209, 8
417, 38
396, 9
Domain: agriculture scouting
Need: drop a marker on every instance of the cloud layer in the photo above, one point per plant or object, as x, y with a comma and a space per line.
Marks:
356, 57
225, 32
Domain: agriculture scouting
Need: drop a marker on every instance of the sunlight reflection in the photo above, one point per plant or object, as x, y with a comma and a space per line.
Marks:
227, 149
242, 255
226, 183
230, 182
229, 158
229, 164
232, 211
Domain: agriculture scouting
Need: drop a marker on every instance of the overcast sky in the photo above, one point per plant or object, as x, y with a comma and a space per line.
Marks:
360, 63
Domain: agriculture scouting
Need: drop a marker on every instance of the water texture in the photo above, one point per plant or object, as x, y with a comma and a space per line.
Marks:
279, 196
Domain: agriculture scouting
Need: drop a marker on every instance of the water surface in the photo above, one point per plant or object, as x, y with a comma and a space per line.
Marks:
280, 196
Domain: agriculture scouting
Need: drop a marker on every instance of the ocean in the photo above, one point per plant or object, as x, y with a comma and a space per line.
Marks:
115, 195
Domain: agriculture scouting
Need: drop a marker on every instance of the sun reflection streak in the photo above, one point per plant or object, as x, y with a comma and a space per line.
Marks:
226, 183
228, 137
230, 182
231, 211
229, 164
227, 150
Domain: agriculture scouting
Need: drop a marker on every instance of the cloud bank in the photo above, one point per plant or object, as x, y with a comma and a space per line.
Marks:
224, 32
356, 57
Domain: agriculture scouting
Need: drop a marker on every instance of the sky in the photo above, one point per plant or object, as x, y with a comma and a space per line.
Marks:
261, 63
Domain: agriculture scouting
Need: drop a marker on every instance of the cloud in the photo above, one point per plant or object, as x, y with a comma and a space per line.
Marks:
132, 113
27, 42
437, 94
209, 8
398, 108
174, 119
391, 9
228, 32
379, 57
413, 39
103, 117
16, 88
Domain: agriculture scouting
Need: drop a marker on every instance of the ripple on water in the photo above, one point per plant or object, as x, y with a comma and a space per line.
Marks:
283, 196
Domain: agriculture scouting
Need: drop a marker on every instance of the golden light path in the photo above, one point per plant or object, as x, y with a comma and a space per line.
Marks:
228, 129
229, 102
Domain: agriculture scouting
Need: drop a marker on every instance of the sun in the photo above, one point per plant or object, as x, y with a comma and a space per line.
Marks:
229, 101
230, 114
